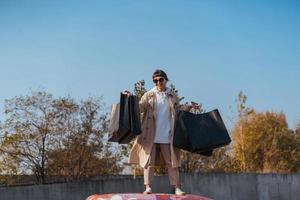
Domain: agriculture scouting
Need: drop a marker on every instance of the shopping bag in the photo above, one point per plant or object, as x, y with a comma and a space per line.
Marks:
125, 122
134, 120
200, 133
119, 119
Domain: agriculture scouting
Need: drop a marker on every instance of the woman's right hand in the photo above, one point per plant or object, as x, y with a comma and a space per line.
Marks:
126, 92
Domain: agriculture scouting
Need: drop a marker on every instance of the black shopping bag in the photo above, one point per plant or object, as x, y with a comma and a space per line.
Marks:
125, 120
200, 133
119, 119
134, 120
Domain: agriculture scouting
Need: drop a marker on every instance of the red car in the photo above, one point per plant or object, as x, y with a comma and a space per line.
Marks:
138, 196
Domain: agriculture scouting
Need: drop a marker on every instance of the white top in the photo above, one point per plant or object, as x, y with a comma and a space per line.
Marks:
163, 121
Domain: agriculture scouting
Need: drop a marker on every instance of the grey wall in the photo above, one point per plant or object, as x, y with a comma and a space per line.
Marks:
214, 185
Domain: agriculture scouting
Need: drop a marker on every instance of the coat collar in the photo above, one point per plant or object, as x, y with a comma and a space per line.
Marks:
169, 92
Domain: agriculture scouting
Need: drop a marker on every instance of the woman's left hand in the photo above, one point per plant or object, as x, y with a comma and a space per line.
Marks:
195, 105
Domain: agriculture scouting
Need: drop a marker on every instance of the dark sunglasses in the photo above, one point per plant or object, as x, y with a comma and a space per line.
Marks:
158, 80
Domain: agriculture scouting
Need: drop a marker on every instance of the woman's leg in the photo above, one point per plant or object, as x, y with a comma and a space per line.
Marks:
149, 170
172, 172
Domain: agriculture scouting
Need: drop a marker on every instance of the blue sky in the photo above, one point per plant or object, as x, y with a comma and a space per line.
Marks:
210, 50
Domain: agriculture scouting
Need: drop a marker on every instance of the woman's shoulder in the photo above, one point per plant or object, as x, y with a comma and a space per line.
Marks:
149, 93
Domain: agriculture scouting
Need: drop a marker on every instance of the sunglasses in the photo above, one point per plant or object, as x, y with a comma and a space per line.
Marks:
158, 80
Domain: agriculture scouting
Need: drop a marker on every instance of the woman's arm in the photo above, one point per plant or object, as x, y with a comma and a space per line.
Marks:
143, 103
184, 107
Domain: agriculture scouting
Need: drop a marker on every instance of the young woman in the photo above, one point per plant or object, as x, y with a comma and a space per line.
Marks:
155, 145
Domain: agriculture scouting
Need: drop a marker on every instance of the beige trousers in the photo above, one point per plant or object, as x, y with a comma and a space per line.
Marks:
172, 172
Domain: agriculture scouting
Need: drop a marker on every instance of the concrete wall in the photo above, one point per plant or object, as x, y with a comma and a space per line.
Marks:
22, 180
214, 185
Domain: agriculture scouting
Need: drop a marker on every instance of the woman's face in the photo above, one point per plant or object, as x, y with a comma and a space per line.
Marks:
160, 82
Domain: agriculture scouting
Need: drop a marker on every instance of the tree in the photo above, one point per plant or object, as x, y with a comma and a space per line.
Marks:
243, 112
83, 149
27, 132
46, 136
241, 105
265, 144
9, 170
139, 88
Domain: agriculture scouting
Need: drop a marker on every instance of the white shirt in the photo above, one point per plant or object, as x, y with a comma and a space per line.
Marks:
163, 121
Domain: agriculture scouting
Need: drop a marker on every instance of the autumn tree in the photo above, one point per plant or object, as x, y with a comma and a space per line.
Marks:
82, 150
242, 112
263, 143
27, 131
43, 136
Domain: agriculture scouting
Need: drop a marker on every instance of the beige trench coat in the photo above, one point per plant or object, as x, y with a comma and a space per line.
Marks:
141, 149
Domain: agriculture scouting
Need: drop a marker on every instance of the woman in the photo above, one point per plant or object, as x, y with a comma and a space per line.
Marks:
155, 145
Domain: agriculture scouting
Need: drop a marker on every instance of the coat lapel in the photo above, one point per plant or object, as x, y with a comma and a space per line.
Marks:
152, 103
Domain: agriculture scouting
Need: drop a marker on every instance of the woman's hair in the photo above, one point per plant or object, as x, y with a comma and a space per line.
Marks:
161, 73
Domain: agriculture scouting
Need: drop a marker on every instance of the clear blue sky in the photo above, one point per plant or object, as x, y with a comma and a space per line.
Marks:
210, 49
